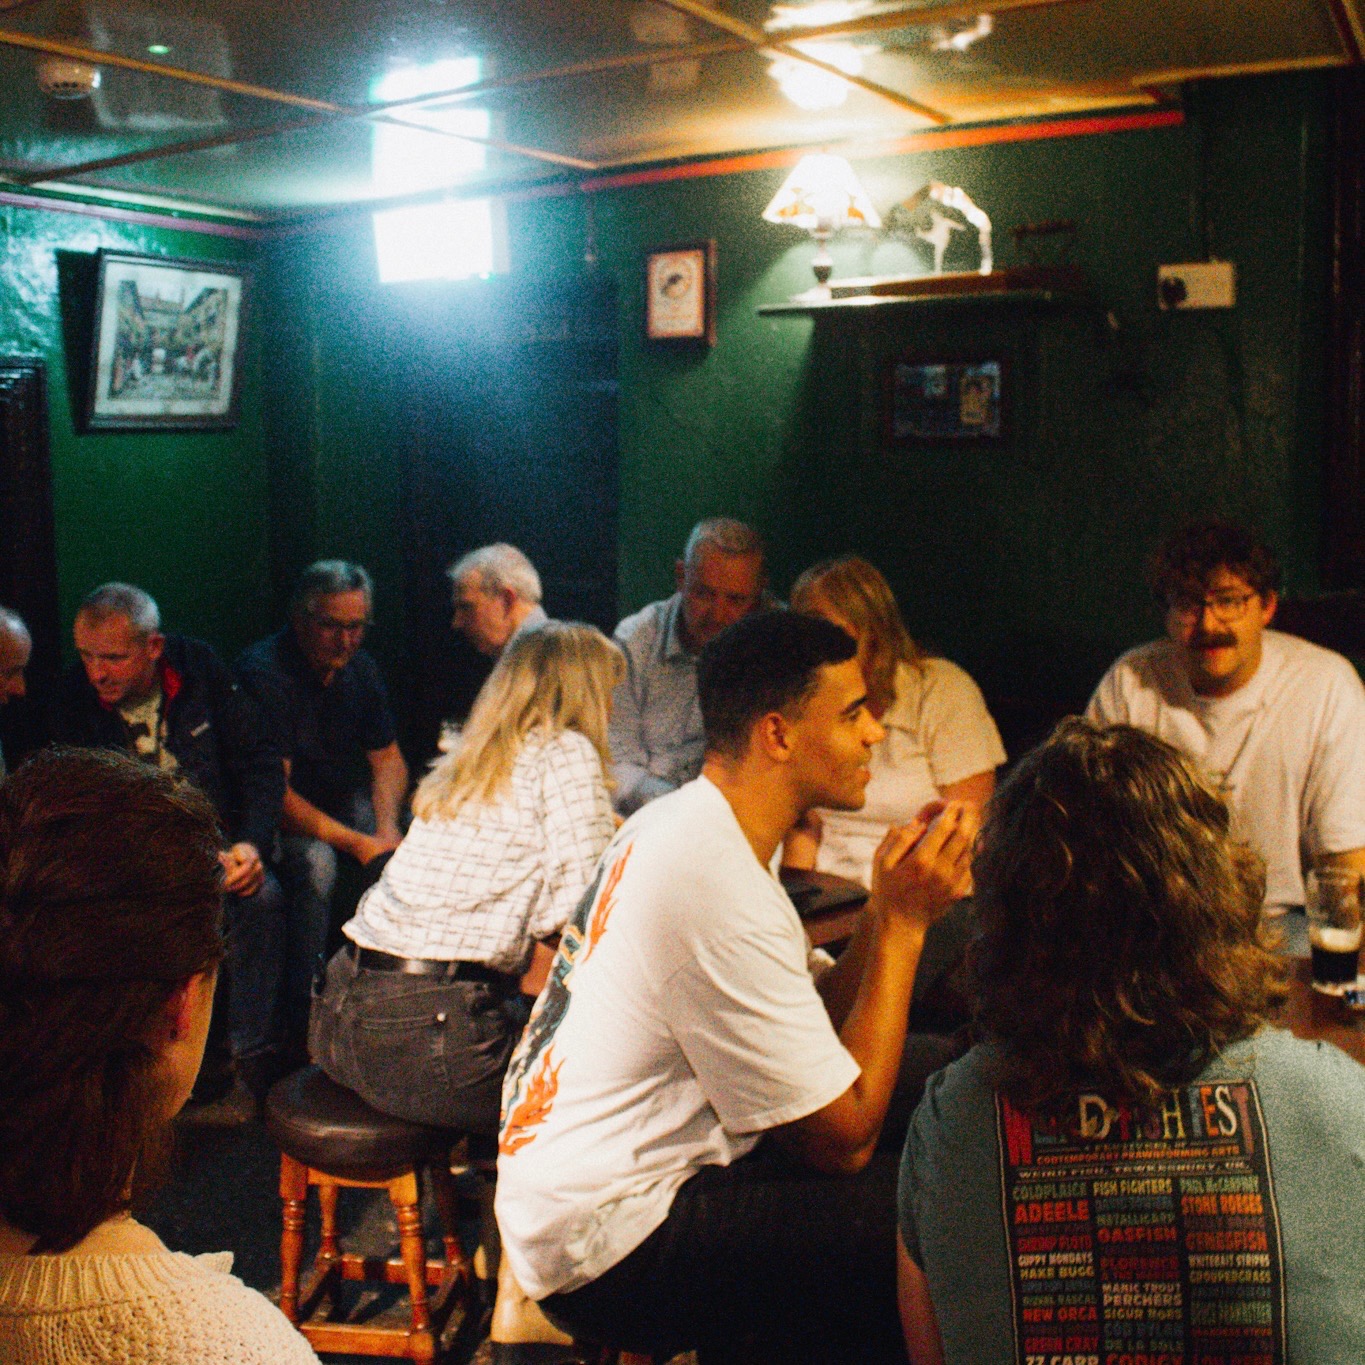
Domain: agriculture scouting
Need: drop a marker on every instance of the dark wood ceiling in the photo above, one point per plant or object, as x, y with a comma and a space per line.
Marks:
274, 110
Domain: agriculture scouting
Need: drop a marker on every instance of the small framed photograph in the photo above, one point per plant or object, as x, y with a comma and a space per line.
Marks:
166, 344
946, 401
680, 294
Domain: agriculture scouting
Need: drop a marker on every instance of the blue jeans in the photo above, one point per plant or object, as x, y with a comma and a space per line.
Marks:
255, 928
308, 869
418, 1047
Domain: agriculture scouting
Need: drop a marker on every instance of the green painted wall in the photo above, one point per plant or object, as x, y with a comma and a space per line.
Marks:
1020, 562
183, 514
1024, 563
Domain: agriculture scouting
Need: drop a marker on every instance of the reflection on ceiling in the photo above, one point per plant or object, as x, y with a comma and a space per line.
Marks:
286, 110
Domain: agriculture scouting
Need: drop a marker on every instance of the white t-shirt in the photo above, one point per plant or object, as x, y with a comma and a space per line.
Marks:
1287, 749
938, 732
679, 1023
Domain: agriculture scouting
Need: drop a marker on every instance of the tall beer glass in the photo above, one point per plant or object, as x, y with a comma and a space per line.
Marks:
1334, 927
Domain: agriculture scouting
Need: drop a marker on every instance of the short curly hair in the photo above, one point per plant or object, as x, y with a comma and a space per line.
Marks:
1121, 946
1181, 566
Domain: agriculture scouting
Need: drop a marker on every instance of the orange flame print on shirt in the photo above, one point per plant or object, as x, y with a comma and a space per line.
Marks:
532, 1107
532, 1079
606, 903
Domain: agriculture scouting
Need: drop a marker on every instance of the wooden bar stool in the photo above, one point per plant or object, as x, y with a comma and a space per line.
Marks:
329, 1138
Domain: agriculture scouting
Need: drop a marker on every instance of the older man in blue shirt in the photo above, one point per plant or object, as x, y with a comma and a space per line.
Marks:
656, 731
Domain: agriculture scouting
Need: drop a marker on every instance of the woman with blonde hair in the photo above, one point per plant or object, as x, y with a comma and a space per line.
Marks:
940, 743
422, 1007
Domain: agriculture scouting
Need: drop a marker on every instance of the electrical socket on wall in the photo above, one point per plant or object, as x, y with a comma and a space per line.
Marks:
1196, 284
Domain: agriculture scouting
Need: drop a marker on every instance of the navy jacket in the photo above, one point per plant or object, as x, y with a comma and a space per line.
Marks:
212, 728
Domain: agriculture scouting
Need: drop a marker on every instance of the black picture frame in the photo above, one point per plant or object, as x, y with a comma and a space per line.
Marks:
680, 294
166, 344
947, 400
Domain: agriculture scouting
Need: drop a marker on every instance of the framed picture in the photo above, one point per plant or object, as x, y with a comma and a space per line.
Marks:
166, 344
939, 401
680, 294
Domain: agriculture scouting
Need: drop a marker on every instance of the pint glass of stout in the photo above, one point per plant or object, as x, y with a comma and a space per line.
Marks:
1334, 927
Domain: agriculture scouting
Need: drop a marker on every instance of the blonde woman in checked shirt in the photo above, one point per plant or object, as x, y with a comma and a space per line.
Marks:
421, 1008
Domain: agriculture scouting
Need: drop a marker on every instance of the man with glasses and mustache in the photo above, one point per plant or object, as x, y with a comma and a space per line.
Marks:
1276, 723
327, 711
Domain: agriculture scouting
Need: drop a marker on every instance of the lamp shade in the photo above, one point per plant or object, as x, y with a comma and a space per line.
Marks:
822, 195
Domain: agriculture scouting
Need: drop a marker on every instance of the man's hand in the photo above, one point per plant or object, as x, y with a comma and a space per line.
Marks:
365, 848
243, 870
919, 869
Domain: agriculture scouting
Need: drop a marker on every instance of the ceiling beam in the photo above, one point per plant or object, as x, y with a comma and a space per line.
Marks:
327, 111
619, 61
762, 43
922, 18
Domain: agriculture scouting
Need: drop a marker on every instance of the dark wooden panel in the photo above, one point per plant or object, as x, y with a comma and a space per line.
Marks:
1344, 542
28, 555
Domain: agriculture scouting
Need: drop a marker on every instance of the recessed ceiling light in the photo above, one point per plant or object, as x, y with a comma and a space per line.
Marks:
157, 49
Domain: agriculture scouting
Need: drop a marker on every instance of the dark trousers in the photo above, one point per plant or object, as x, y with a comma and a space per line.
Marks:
761, 1261
418, 1047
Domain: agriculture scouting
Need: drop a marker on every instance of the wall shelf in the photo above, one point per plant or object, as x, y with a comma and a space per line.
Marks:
1019, 286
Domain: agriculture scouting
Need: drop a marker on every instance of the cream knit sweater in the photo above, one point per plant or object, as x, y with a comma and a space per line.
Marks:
148, 1307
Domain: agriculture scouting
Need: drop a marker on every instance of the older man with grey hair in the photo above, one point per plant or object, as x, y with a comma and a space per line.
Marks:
656, 731
496, 593
16, 646
327, 712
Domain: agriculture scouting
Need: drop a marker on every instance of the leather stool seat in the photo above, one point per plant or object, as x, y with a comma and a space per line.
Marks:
329, 1138
326, 1126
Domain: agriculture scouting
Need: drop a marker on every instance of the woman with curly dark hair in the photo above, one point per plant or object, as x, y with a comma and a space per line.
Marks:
1132, 1166
110, 897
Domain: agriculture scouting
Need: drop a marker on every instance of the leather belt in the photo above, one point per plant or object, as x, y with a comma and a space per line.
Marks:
372, 960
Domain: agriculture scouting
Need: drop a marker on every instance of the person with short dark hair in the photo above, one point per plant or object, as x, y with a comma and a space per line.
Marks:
171, 701
327, 712
110, 894
657, 740
689, 1121
1131, 1165
1276, 723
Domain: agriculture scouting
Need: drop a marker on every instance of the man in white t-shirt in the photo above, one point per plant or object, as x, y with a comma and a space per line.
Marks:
1276, 723
682, 1024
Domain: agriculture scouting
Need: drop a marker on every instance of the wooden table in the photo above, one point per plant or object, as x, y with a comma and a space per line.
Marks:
1309, 1014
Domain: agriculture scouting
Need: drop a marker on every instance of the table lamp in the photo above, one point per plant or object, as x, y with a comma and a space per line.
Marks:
822, 195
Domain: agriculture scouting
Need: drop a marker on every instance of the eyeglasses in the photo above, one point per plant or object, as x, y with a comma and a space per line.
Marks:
330, 626
1226, 607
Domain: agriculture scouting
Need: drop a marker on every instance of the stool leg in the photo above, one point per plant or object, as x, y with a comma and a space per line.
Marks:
404, 1195
329, 1253
443, 1187
293, 1195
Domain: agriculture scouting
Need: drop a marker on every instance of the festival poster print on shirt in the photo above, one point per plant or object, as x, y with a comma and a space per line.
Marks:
1144, 1239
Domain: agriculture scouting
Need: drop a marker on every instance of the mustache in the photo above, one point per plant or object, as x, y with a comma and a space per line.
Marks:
1202, 641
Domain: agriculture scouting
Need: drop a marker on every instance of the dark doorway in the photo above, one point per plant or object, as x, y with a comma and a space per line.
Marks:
511, 435
28, 554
